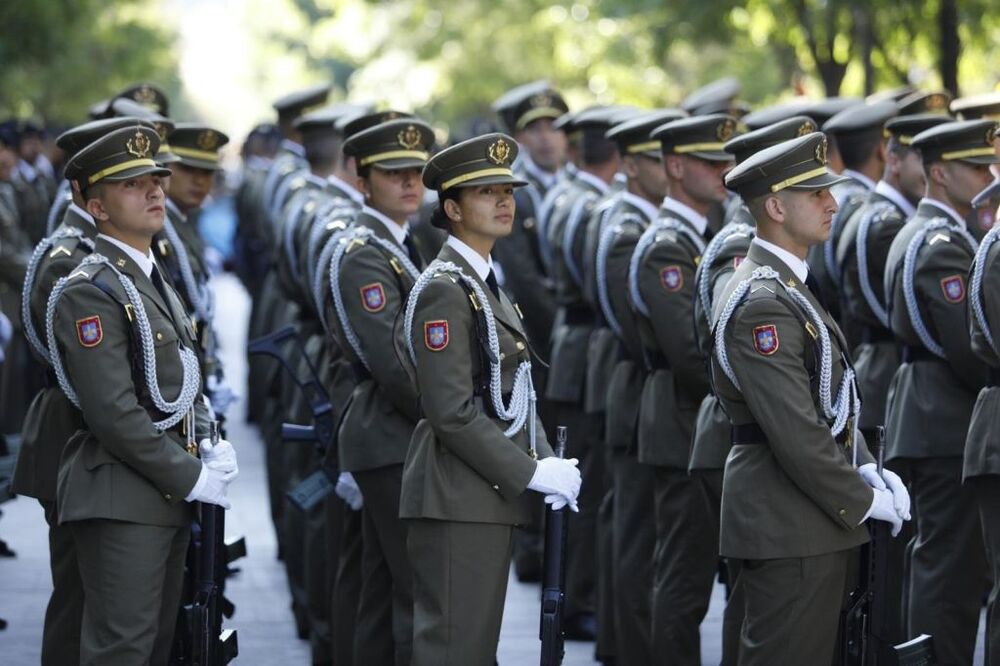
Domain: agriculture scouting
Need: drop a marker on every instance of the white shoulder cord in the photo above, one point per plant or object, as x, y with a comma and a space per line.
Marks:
909, 270
191, 378
344, 241
280, 188
848, 402
647, 240
542, 220
976, 285
288, 235
63, 198
325, 256
521, 410
29, 282
712, 252
336, 210
878, 212
609, 235
199, 294
576, 215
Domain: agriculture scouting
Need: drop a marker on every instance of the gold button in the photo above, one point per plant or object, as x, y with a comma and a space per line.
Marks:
843, 512
496, 487
502, 356
520, 346
159, 336
168, 497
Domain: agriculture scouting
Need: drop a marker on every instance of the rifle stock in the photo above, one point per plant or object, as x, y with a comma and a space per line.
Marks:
554, 576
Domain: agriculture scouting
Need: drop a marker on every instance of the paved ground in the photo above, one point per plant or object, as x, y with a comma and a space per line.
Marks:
266, 631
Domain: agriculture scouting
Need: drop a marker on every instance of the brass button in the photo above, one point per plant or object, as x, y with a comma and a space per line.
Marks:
843, 512
159, 336
168, 497
502, 356
520, 346
496, 487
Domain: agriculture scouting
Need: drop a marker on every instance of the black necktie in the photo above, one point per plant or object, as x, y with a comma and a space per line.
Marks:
491, 282
813, 285
157, 280
411, 249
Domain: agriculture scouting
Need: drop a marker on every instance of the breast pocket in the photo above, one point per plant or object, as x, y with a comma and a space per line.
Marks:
166, 344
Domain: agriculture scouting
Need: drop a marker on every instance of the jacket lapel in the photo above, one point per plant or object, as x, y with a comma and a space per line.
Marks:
126, 265
503, 309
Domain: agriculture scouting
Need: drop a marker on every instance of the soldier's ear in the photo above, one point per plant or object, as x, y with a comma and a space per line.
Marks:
774, 206
630, 166
452, 209
674, 166
96, 208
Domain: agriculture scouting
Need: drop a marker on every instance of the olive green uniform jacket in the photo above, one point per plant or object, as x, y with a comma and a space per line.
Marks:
121, 467
460, 465
796, 495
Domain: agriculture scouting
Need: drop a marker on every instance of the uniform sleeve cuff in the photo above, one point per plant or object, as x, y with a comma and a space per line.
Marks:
199, 485
870, 508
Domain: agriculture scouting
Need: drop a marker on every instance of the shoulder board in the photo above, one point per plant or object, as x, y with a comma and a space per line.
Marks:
64, 247
939, 236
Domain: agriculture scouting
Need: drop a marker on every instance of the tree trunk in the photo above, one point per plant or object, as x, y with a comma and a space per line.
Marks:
950, 45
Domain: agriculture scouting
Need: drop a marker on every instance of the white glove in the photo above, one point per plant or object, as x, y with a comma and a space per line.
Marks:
891, 481
558, 502
347, 489
556, 476
884, 509
221, 457
211, 487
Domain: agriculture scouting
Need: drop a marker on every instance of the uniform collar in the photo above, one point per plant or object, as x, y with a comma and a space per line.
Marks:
144, 262
82, 213
944, 207
896, 197
693, 217
172, 208
796, 265
348, 189
474, 259
592, 180
546, 178
396, 231
293, 147
860, 177
646, 208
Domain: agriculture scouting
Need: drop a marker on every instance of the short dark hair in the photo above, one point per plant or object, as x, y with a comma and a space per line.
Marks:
323, 152
594, 147
855, 148
438, 218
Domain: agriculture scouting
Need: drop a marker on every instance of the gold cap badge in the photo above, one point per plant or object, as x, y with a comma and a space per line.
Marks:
138, 145
991, 135
821, 151
409, 138
806, 128
207, 140
145, 96
499, 152
541, 100
725, 130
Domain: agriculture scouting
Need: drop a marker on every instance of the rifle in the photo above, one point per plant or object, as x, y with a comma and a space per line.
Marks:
317, 486
554, 577
208, 644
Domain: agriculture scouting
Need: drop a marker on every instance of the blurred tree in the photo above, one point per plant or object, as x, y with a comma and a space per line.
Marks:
60, 56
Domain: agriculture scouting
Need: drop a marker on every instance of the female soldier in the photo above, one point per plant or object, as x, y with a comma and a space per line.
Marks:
479, 444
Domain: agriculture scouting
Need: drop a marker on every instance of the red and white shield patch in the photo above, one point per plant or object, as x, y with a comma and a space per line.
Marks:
89, 331
765, 339
671, 278
953, 288
436, 334
737, 260
373, 297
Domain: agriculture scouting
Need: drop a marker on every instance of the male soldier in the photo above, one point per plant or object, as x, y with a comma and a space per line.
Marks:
36, 178
371, 275
711, 442
661, 286
985, 106
933, 391
632, 533
981, 467
579, 399
857, 134
719, 96
793, 502
51, 418
128, 478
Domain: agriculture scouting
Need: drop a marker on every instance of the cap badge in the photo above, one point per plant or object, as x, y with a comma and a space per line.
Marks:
821, 151
499, 152
806, 128
936, 102
145, 96
207, 140
138, 145
161, 130
991, 135
725, 130
541, 100
390, 115
409, 138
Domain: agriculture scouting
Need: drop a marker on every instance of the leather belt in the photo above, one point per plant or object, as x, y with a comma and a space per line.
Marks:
912, 353
751, 434
871, 334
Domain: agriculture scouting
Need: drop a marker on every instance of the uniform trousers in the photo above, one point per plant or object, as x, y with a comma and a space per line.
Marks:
460, 573
61, 631
988, 495
793, 608
685, 562
632, 548
948, 562
386, 605
132, 577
